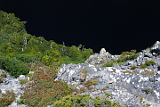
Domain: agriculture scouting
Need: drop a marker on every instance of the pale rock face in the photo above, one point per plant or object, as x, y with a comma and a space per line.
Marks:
156, 45
103, 51
22, 77
12, 84
125, 85
101, 58
115, 82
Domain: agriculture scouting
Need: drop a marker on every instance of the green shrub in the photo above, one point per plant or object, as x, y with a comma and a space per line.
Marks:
84, 101
147, 105
27, 58
147, 63
7, 98
143, 66
150, 62
133, 67
125, 56
108, 94
13, 66
109, 63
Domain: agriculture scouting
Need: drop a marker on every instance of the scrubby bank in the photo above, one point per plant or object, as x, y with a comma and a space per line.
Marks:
17, 46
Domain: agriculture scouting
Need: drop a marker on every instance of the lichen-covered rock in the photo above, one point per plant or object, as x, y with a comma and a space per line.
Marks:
101, 58
135, 83
125, 87
12, 84
156, 49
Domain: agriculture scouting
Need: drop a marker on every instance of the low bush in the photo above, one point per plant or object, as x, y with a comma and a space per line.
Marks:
109, 63
14, 66
44, 90
128, 55
133, 67
27, 58
84, 101
147, 63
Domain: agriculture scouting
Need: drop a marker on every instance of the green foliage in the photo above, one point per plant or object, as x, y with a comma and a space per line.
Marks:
86, 53
84, 101
147, 105
147, 63
125, 56
18, 50
74, 52
108, 94
27, 58
13, 66
15, 42
10, 24
109, 63
133, 67
7, 98
143, 66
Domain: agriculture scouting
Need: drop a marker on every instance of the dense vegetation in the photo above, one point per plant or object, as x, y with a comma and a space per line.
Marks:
18, 48
84, 101
21, 52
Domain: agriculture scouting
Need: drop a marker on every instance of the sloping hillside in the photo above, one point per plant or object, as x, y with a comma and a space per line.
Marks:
35, 72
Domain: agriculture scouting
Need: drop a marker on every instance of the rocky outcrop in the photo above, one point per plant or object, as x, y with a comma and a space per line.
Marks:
99, 59
138, 87
125, 87
12, 84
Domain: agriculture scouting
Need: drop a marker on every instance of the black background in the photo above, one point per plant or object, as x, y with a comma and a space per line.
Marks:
117, 25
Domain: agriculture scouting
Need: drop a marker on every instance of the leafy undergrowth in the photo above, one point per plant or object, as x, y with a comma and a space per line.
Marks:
18, 48
6, 98
14, 66
84, 101
43, 90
